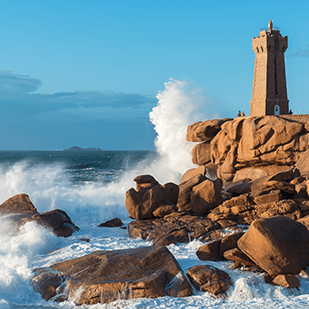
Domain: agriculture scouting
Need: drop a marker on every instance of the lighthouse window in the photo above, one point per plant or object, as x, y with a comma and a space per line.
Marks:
277, 110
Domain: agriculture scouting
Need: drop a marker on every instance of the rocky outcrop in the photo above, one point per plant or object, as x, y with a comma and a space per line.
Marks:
196, 194
19, 209
278, 245
209, 279
251, 143
106, 276
148, 197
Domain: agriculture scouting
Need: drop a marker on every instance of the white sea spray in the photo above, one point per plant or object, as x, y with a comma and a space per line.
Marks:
179, 105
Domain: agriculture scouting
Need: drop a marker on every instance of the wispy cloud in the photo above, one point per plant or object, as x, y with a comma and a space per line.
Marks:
32, 120
17, 84
300, 52
17, 95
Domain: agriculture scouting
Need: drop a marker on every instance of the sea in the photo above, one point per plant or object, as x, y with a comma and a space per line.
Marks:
90, 186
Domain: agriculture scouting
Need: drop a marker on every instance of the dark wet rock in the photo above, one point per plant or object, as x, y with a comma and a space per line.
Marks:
106, 276
19, 209
57, 221
111, 223
46, 281
85, 239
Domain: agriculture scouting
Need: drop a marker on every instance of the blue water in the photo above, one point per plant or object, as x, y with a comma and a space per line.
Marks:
90, 187
81, 166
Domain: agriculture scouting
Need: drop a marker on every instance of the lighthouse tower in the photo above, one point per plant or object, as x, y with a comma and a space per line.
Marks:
269, 94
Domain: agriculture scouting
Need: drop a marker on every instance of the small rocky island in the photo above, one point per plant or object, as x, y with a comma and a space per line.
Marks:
76, 148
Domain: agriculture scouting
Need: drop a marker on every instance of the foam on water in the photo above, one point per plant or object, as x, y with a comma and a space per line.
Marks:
17, 252
89, 204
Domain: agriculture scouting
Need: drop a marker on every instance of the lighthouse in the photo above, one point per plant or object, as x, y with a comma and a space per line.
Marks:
269, 91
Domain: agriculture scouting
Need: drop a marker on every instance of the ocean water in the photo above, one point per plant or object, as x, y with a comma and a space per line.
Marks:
90, 187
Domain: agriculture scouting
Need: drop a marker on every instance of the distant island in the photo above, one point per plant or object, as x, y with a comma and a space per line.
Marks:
76, 148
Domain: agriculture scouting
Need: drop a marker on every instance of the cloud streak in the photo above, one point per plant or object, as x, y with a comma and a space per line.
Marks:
17, 84
300, 52
18, 90
42, 118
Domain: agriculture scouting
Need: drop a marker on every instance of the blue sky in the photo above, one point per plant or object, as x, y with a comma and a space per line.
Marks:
87, 73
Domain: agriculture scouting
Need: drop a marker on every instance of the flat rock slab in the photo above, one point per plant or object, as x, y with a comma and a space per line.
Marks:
106, 276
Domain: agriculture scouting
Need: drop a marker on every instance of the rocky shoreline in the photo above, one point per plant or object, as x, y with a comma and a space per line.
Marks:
247, 201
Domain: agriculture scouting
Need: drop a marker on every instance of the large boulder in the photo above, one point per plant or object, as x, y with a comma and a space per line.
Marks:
204, 131
201, 153
148, 196
278, 245
206, 196
18, 204
106, 276
199, 195
55, 220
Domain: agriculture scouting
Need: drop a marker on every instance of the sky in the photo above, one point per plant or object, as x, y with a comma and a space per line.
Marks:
87, 72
